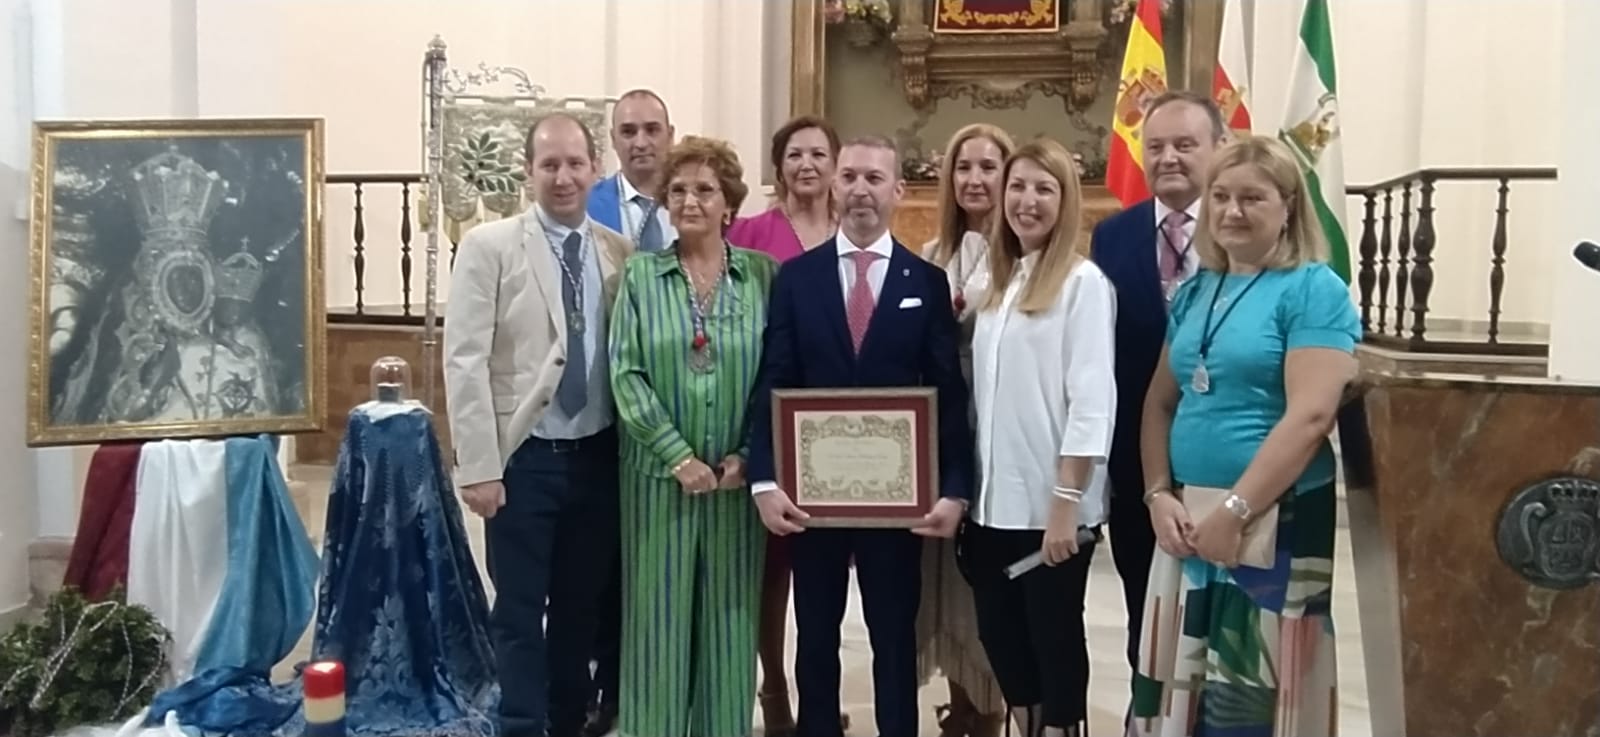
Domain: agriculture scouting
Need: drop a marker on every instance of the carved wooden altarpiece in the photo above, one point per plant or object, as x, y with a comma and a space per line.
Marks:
997, 52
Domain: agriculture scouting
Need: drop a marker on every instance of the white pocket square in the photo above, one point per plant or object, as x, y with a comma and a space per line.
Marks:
910, 302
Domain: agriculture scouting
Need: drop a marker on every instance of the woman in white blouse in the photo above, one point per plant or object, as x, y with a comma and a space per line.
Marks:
947, 630
1046, 399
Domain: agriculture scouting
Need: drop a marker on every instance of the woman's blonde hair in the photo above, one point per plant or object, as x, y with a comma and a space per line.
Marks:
1302, 240
1060, 253
952, 219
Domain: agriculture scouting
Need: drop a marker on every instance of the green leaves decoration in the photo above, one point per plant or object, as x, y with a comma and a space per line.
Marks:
82, 663
489, 167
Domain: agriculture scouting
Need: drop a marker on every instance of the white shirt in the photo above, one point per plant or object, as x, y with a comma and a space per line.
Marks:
876, 271
1044, 388
633, 214
1191, 259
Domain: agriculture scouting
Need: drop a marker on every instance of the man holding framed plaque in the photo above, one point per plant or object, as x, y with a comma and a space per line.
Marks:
860, 389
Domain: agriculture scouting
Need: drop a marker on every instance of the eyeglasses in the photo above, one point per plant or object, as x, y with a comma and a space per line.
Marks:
703, 194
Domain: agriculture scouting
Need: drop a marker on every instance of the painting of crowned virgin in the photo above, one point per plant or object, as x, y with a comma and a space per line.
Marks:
176, 285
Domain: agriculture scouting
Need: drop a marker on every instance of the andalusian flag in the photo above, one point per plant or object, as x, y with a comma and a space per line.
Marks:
1311, 128
1231, 83
1144, 77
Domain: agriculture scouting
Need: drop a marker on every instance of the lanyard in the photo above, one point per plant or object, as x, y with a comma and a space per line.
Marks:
557, 247
699, 308
1207, 335
1166, 241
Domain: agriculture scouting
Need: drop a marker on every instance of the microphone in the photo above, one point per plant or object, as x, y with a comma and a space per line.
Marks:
1588, 254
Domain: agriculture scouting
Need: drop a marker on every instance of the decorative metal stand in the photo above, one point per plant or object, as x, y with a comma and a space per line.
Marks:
472, 139
433, 155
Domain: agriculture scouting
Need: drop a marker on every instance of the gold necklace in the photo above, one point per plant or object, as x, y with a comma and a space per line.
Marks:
784, 208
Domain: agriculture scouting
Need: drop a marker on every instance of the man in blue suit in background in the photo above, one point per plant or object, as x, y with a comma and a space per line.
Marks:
1147, 251
861, 311
629, 201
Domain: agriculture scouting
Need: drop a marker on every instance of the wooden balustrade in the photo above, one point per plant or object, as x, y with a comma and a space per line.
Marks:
408, 312
1403, 291
1394, 274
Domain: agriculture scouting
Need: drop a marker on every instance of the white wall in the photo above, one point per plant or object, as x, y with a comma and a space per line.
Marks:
1418, 88
357, 63
1575, 292
18, 497
1443, 83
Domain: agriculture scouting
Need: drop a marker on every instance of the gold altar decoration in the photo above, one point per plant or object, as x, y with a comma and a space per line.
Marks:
997, 70
997, 16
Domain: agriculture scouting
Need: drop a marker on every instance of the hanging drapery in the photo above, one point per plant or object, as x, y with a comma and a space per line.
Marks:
99, 560
178, 547
264, 570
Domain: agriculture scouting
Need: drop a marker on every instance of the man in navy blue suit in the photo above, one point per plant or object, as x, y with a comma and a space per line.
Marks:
861, 311
1147, 251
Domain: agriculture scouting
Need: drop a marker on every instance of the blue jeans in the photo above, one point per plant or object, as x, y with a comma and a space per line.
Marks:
550, 550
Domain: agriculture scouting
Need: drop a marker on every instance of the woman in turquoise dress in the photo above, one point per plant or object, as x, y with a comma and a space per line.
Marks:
685, 347
1238, 630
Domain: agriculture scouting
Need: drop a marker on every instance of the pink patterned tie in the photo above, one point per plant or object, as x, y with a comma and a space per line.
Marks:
1173, 245
858, 307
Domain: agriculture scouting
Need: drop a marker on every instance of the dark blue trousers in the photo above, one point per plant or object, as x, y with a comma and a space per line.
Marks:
550, 551
889, 574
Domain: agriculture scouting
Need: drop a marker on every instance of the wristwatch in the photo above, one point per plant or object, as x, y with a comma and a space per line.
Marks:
1238, 506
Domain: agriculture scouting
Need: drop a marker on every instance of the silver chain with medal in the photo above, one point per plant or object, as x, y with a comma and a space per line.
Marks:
702, 357
1200, 381
575, 321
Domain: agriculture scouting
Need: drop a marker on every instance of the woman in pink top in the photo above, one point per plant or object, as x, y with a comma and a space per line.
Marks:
803, 152
802, 218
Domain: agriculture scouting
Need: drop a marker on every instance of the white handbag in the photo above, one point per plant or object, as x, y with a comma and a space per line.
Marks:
1258, 542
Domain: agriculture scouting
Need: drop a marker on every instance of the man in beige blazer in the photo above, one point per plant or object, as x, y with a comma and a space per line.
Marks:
532, 422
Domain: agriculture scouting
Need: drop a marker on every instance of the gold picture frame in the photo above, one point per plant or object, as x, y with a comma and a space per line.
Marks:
176, 279
807, 59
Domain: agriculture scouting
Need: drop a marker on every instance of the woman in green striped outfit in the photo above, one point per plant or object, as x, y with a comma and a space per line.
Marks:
685, 346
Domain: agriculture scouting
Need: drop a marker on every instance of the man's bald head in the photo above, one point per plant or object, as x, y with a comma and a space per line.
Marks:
641, 134
561, 167
562, 120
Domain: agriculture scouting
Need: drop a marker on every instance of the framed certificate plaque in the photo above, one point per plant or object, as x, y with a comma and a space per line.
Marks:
858, 457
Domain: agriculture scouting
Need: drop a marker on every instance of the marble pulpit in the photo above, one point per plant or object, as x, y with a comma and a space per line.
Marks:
1475, 534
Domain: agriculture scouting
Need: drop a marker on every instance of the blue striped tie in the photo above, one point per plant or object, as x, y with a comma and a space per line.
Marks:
650, 229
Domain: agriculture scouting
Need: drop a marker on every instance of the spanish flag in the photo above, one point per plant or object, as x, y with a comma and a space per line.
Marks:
1230, 84
1144, 77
